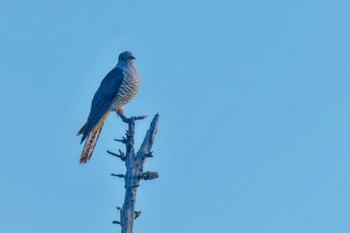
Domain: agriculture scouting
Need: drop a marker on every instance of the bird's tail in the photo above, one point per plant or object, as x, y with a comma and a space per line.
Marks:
92, 140
81, 130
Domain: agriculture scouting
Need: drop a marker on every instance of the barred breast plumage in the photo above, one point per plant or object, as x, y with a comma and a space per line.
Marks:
128, 88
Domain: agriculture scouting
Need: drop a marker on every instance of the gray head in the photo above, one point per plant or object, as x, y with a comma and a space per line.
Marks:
125, 57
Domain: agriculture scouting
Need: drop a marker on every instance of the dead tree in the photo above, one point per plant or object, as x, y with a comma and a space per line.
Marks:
134, 168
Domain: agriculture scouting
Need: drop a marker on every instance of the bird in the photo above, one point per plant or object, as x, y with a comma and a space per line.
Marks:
116, 89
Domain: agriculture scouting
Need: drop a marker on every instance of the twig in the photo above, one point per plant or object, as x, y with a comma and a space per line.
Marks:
121, 155
134, 118
118, 175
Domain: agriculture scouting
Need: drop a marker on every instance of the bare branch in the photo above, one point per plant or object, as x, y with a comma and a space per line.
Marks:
134, 118
137, 214
123, 140
124, 118
121, 155
149, 155
145, 149
140, 117
149, 175
134, 168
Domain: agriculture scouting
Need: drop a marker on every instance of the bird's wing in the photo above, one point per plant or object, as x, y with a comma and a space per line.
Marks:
103, 99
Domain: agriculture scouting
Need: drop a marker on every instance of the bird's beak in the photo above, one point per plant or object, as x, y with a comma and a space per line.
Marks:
132, 57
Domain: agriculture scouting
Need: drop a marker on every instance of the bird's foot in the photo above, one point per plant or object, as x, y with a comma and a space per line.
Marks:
119, 109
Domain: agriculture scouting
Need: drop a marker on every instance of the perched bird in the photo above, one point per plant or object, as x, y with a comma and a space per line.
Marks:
116, 89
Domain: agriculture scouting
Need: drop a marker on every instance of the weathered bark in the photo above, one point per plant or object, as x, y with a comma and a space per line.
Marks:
134, 168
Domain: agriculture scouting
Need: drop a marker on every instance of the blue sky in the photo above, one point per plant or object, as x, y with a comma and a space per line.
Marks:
254, 107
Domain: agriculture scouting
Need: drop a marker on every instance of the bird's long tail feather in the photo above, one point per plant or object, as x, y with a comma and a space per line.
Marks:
81, 130
92, 140
90, 144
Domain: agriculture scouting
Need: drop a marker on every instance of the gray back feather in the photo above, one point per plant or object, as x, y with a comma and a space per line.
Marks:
103, 98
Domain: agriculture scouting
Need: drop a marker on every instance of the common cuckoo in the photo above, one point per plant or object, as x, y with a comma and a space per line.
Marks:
116, 89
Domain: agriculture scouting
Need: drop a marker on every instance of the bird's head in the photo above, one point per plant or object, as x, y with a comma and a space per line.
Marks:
126, 57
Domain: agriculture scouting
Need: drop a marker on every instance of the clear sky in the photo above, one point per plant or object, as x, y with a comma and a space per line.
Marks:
254, 107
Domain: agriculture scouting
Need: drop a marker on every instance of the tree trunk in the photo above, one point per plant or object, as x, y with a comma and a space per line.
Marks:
134, 169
